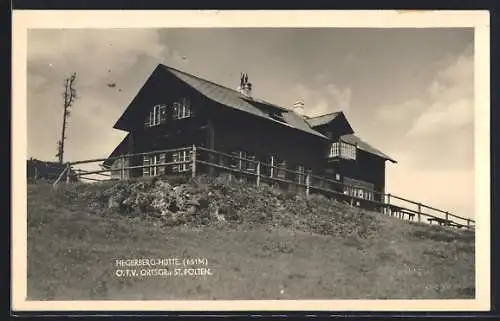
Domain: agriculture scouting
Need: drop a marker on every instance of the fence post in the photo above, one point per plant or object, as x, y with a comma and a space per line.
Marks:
468, 223
308, 183
419, 211
258, 173
388, 208
68, 172
193, 167
446, 213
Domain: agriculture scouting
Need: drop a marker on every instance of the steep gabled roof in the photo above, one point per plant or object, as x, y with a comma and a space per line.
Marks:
362, 145
323, 119
234, 99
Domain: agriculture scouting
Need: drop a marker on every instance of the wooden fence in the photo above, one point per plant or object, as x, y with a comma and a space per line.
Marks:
206, 160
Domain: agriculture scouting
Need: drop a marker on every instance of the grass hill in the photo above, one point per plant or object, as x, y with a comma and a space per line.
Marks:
256, 242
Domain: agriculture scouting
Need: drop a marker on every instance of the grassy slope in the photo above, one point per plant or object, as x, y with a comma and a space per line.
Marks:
71, 253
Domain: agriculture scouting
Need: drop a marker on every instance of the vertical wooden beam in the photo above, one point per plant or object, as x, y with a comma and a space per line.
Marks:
130, 150
308, 183
388, 208
122, 171
36, 173
446, 215
271, 171
419, 211
258, 173
193, 167
211, 145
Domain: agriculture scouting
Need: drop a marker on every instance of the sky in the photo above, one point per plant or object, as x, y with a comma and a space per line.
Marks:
408, 92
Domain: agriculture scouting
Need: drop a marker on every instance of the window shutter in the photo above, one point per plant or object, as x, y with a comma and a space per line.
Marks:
163, 114
187, 107
175, 110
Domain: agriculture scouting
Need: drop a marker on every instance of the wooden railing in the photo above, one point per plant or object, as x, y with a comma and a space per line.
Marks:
264, 173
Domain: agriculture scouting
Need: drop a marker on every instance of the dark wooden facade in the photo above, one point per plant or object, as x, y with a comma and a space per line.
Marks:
214, 123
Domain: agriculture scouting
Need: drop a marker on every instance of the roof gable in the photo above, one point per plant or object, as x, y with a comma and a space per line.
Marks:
336, 118
364, 146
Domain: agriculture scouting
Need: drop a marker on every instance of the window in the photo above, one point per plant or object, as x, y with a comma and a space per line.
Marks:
337, 177
182, 109
277, 116
334, 150
343, 150
243, 161
250, 164
185, 156
280, 171
358, 188
155, 159
156, 116
301, 175
347, 151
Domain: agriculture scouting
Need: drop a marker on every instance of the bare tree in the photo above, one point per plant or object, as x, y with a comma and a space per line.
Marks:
69, 97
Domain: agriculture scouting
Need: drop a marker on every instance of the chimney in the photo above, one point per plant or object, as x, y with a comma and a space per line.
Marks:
298, 108
245, 87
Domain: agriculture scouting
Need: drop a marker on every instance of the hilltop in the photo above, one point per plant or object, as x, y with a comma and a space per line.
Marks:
256, 243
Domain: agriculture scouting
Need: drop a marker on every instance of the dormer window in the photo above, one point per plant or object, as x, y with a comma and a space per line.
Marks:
277, 116
182, 109
156, 116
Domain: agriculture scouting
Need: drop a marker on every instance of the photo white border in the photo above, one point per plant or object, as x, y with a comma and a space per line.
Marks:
22, 20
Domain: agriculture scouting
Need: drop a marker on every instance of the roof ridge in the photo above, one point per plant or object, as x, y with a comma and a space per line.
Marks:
204, 79
335, 112
255, 99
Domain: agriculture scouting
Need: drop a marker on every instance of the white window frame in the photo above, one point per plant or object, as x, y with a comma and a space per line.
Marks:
182, 156
334, 149
156, 116
153, 159
347, 151
182, 109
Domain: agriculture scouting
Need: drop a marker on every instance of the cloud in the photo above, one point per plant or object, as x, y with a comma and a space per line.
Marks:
93, 52
324, 97
125, 57
435, 151
450, 98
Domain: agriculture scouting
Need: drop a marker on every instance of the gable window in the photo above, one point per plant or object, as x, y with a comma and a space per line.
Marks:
156, 116
182, 109
155, 159
185, 156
